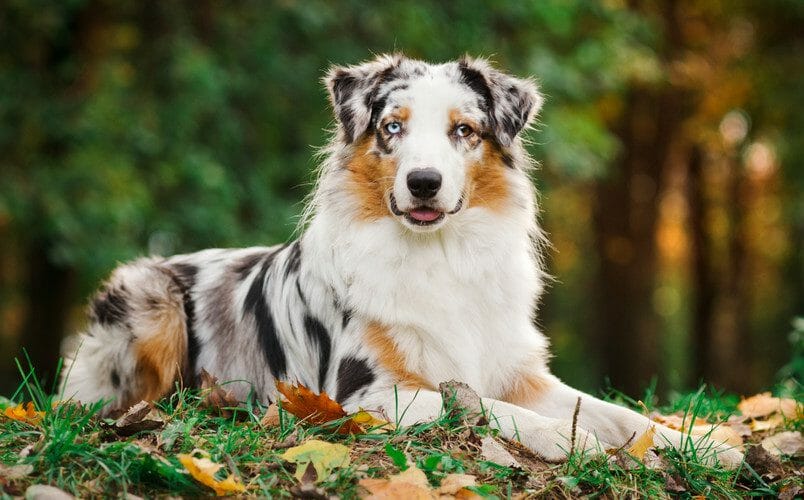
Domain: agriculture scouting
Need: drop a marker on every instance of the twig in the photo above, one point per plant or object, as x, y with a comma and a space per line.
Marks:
575, 425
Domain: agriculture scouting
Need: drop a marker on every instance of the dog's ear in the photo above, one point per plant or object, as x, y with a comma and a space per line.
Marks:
511, 103
352, 91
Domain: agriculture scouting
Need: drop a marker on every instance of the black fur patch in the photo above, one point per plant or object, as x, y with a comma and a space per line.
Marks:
115, 379
343, 87
317, 333
293, 261
185, 277
110, 306
381, 144
347, 317
246, 265
301, 293
475, 80
256, 305
353, 374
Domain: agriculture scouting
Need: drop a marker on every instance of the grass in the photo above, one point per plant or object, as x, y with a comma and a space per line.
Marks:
76, 450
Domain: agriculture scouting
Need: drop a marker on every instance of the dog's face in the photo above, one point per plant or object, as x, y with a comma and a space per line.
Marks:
429, 140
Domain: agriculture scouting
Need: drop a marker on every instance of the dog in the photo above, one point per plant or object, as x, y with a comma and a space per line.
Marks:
420, 262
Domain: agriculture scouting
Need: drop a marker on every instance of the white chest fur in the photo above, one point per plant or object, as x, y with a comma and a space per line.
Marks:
459, 302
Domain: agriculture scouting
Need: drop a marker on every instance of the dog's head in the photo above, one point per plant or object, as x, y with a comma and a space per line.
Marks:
429, 141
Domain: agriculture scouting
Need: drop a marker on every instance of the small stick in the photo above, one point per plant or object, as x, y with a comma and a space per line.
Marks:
575, 424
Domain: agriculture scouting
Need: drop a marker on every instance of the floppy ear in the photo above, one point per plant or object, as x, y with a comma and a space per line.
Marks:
352, 91
511, 103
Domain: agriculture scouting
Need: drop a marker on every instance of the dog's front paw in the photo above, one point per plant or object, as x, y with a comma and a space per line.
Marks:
554, 441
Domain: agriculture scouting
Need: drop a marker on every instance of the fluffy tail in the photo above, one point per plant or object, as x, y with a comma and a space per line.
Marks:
135, 347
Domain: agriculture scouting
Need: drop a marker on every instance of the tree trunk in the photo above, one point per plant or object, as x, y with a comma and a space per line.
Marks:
49, 289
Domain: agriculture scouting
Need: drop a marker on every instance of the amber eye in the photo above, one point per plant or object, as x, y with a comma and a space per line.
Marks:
464, 130
393, 128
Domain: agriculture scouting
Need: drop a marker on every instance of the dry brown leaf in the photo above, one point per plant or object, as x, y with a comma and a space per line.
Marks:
314, 408
774, 421
412, 483
409, 484
454, 483
493, 451
641, 445
271, 416
140, 417
762, 405
720, 433
203, 470
216, 397
785, 443
28, 414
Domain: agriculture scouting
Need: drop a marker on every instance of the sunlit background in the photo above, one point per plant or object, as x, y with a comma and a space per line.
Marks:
671, 179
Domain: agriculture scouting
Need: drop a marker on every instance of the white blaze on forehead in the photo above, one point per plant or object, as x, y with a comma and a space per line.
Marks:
426, 141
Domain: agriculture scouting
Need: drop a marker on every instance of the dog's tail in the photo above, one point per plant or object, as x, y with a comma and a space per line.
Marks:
135, 347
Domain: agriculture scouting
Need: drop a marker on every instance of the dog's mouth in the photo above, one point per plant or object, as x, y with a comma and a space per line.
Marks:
423, 215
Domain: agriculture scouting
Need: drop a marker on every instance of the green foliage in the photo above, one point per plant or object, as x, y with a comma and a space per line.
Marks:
172, 127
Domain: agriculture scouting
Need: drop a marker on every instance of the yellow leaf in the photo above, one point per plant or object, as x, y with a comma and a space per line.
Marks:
324, 456
645, 441
29, 415
368, 421
203, 470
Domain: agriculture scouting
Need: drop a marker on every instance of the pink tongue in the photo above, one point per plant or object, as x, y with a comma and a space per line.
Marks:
425, 214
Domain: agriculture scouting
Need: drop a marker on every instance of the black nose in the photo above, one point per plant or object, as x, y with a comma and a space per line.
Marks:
424, 183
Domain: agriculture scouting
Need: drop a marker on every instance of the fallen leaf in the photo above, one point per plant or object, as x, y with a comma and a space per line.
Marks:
785, 443
314, 408
453, 483
12, 472
324, 457
409, 484
203, 470
28, 414
46, 491
720, 433
762, 405
641, 445
493, 451
271, 416
461, 398
774, 421
216, 397
140, 417
369, 422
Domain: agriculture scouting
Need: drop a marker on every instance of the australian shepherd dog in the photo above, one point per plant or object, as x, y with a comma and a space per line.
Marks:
420, 262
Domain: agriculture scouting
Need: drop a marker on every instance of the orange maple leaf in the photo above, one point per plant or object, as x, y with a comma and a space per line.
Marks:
29, 415
315, 408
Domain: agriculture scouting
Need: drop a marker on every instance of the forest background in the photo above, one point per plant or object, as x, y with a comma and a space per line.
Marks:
671, 148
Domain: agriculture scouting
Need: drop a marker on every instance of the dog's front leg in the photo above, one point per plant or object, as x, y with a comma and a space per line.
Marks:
617, 425
548, 437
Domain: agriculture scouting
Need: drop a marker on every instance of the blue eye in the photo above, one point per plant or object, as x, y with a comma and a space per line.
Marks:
393, 128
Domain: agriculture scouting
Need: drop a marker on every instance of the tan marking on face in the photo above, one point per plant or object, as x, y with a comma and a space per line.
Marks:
370, 177
525, 388
162, 356
391, 359
487, 185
